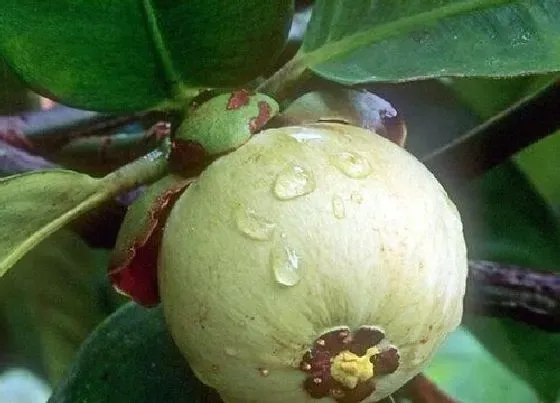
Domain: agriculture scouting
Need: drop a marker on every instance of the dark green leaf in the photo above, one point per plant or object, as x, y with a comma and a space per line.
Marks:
130, 358
138, 54
470, 374
353, 41
506, 220
488, 96
51, 301
14, 94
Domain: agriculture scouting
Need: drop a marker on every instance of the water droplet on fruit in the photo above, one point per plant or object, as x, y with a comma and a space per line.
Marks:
263, 372
352, 165
356, 197
294, 181
285, 265
254, 226
338, 207
306, 134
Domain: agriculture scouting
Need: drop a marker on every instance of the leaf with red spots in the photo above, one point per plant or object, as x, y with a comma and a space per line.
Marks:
238, 99
256, 123
227, 121
133, 267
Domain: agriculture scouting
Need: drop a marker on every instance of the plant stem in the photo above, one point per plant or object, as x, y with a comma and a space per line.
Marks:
281, 84
522, 294
497, 139
143, 171
421, 390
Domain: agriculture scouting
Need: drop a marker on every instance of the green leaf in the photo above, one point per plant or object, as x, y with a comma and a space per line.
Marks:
33, 205
467, 372
506, 220
51, 302
489, 96
355, 41
14, 94
538, 162
130, 358
138, 54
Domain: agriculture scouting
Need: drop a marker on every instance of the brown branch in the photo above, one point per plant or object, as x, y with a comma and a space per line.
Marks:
493, 142
421, 390
522, 294
13, 160
44, 131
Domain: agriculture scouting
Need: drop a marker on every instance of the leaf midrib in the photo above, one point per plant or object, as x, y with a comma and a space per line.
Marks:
170, 73
350, 43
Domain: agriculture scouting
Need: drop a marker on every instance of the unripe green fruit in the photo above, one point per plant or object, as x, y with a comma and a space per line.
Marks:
314, 262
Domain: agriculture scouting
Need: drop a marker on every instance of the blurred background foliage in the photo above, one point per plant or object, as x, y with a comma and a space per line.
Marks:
59, 292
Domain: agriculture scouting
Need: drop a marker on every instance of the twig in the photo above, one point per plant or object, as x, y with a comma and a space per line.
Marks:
14, 160
421, 390
53, 128
491, 143
518, 293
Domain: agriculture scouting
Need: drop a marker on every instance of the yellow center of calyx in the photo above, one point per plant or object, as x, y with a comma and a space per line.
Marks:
349, 368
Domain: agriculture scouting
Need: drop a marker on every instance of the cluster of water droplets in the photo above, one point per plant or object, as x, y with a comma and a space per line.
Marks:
292, 182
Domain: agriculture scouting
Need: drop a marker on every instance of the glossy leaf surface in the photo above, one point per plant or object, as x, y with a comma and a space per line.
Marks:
138, 54
355, 41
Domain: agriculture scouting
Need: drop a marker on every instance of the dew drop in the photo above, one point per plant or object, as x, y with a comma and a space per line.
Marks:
304, 135
285, 266
294, 181
338, 207
352, 165
356, 197
263, 372
254, 226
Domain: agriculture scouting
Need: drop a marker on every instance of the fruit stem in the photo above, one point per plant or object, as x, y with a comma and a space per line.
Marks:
142, 171
284, 81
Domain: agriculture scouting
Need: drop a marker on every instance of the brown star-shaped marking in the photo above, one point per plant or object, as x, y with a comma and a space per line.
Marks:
318, 360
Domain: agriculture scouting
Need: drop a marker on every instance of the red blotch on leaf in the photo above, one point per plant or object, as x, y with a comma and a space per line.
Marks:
238, 99
256, 123
136, 276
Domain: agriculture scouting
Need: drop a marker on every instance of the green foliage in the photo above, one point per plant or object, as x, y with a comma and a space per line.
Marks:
354, 41
507, 220
14, 94
132, 55
225, 122
50, 301
34, 205
488, 96
130, 358
139, 54
469, 373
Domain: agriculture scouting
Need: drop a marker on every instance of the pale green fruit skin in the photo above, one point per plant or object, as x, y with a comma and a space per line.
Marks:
397, 260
